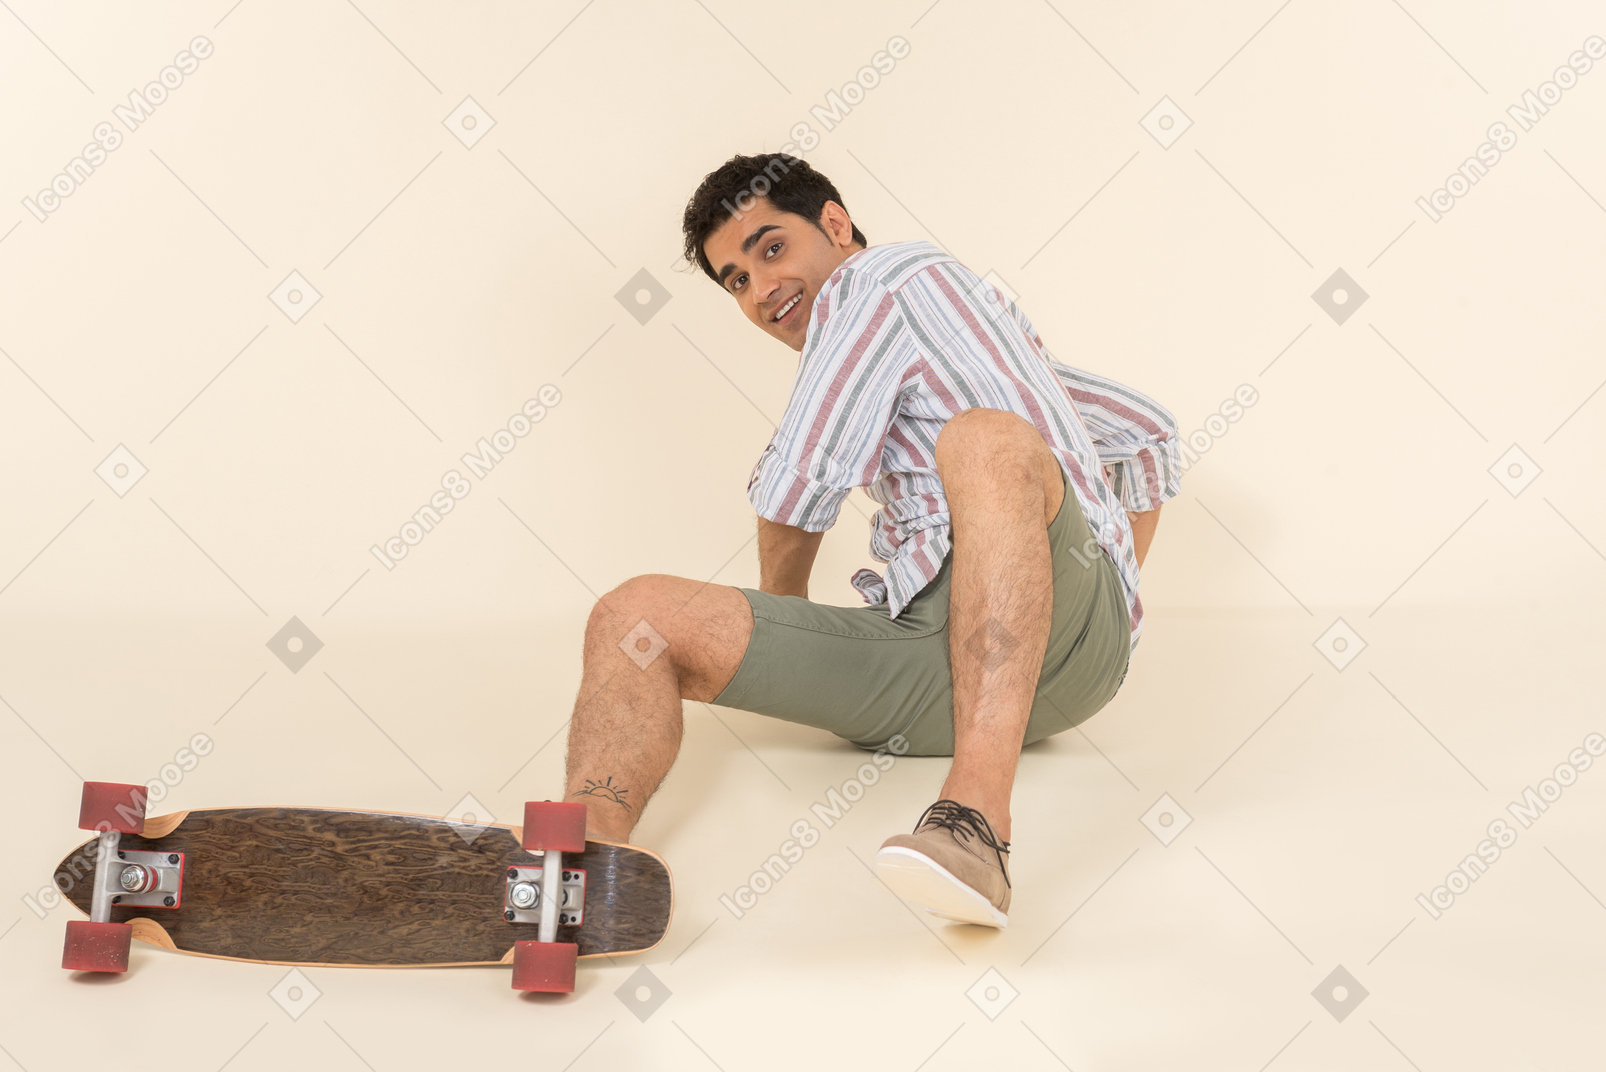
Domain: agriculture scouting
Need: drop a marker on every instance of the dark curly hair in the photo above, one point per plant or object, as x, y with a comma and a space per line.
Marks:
788, 181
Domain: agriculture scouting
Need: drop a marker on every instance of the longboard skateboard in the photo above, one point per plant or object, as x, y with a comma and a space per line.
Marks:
331, 887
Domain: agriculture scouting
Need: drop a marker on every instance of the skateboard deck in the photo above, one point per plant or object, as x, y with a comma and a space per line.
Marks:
332, 887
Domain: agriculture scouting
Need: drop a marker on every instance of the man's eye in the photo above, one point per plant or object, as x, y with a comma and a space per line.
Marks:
774, 247
737, 284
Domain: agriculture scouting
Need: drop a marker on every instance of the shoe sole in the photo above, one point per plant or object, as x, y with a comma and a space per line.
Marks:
916, 877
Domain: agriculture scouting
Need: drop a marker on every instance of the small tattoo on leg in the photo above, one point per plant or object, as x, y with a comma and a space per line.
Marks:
606, 790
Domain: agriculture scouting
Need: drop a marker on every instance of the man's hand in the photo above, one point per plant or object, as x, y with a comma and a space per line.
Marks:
1143, 526
785, 558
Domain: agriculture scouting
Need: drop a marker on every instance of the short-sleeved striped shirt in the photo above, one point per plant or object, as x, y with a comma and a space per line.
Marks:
903, 337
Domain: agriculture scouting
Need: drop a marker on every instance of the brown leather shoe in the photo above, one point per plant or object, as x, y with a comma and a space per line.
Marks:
952, 866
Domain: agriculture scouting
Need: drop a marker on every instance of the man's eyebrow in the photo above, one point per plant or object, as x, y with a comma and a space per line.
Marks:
752, 240
747, 245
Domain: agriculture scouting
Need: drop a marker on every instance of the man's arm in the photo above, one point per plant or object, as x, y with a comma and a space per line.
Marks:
1143, 526
785, 558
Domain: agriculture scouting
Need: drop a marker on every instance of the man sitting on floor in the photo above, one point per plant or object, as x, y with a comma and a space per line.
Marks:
1018, 499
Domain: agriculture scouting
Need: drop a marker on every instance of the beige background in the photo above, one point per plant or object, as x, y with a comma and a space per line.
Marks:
456, 281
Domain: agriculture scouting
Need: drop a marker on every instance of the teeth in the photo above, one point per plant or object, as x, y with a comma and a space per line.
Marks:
788, 306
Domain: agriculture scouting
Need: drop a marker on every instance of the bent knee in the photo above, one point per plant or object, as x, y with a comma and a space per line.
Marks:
988, 425
988, 432
635, 599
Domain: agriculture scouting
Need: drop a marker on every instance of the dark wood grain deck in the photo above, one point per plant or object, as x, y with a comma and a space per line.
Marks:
315, 886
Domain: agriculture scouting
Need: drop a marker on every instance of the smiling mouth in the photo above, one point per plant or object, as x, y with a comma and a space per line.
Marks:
787, 308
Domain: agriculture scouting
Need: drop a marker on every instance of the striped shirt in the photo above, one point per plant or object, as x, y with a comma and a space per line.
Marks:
902, 337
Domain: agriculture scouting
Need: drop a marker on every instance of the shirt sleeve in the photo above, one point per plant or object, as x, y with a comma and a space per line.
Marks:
845, 396
1136, 437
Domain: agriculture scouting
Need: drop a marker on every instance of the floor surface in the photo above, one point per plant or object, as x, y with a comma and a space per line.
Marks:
1310, 807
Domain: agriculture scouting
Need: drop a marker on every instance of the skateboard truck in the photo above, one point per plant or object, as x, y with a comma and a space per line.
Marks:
121, 877
147, 879
550, 829
523, 901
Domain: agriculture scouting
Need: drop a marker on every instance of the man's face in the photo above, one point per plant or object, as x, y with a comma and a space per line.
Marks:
774, 264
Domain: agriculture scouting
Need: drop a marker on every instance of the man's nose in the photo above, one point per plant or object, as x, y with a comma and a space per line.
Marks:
764, 287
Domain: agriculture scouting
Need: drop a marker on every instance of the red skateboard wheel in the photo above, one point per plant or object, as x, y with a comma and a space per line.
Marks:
544, 967
121, 807
553, 825
101, 947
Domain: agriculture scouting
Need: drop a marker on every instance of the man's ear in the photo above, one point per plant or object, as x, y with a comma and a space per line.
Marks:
834, 221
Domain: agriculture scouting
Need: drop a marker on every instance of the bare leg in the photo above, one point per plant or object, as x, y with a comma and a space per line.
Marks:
1004, 487
626, 728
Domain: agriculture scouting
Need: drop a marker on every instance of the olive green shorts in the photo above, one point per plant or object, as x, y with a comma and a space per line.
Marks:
866, 677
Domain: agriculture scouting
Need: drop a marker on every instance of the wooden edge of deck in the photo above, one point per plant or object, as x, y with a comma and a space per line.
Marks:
163, 825
155, 935
152, 932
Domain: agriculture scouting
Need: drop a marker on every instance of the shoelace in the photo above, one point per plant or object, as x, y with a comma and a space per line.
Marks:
952, 815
